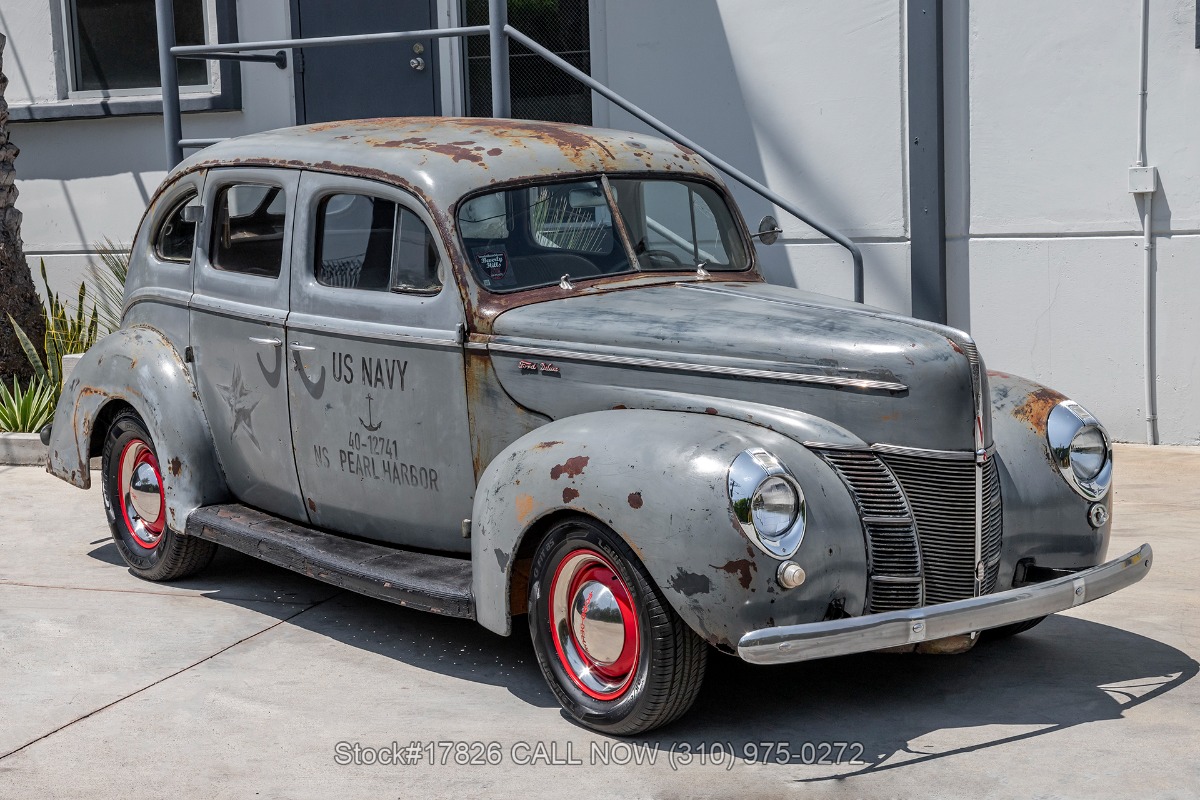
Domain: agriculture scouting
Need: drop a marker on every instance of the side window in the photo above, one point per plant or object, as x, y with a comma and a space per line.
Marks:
354, 242
366, 242
176, 236
248, 224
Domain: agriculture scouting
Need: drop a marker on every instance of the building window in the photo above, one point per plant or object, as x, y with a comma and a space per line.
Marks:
114, 45
539, 90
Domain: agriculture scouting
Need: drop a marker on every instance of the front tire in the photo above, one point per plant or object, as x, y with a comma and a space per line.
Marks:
135, 504
615, 654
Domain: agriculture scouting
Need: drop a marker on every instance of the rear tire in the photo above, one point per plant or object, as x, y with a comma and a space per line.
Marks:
614, 652
134, 502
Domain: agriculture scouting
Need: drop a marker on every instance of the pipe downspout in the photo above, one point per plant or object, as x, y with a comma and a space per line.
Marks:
1149, 315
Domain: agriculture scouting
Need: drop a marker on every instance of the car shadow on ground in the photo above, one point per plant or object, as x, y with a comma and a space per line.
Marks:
890, 710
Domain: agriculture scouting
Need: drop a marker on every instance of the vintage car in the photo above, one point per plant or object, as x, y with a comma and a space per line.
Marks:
493, 368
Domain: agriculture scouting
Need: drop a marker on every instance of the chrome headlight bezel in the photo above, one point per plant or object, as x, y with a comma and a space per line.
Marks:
1066, 422
747, 474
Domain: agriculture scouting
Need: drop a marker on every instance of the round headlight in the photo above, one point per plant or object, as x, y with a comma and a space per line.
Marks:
1080, 448
768, 502
773, 507
1089, 452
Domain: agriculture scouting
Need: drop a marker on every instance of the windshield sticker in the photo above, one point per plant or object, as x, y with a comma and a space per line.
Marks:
493, 262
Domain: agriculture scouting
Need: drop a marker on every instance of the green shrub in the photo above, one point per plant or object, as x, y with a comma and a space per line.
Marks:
27, 410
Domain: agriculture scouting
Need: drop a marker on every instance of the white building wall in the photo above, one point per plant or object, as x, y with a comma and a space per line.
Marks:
809, 96
82, 181
805, 96
1055, 255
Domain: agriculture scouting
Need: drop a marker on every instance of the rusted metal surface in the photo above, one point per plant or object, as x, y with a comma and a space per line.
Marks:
1043, 517
630, 470
139, 368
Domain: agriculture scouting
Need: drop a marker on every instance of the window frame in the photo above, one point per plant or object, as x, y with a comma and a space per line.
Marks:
317, 232
214, 225
223, 92
189, 196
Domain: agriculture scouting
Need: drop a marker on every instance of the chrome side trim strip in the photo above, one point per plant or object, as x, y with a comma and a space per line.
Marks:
788, 643
311, 323
711, 369
232, 308
159, 294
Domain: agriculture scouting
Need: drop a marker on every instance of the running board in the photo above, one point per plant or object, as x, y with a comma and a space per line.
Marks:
438, 584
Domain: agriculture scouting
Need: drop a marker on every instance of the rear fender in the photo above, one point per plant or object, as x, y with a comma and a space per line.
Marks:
139, 367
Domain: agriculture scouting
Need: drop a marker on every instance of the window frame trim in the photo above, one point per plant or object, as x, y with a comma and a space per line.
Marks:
223, 92
317, 228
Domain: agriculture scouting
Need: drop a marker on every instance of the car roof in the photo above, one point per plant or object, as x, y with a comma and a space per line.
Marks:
443, 158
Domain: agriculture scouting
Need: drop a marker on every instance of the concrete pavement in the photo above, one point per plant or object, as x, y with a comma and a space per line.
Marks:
243, 681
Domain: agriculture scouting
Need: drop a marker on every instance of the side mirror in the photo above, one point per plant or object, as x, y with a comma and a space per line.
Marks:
768, 230
193, 213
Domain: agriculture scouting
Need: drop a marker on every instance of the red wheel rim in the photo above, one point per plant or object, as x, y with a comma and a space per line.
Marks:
140, 493
594, 624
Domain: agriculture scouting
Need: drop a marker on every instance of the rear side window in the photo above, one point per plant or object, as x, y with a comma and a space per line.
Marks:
176, 237
369, 243
248, 224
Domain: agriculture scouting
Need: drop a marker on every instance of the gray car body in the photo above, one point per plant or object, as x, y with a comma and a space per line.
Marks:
662, 380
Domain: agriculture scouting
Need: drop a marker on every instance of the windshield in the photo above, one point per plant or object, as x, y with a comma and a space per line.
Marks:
533, 236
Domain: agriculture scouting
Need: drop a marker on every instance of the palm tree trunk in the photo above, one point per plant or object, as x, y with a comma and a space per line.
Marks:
17, 295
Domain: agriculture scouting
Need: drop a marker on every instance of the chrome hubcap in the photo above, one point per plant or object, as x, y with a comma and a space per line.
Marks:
142, 502
594, 624
597, 623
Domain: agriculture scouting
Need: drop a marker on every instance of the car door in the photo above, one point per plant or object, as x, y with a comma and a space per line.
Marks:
238, 310
378, 396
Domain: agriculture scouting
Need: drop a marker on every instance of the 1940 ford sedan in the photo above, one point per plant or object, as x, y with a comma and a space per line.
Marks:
490, 368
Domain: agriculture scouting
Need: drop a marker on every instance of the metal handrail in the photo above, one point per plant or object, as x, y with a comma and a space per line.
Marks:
499, 32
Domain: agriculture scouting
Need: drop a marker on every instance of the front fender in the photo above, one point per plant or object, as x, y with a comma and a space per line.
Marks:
659, 479
1044, 518
139, 366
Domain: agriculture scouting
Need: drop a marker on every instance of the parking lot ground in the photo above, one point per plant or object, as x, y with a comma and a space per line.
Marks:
250, 681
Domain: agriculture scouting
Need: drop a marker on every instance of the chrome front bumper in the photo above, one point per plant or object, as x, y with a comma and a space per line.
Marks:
841, 637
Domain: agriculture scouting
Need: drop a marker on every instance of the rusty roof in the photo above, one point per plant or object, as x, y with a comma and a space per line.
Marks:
443, 158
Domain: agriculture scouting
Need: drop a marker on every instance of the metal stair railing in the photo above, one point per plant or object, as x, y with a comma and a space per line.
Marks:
499, 32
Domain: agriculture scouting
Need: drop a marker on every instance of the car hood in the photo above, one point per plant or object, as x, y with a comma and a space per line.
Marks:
887, 379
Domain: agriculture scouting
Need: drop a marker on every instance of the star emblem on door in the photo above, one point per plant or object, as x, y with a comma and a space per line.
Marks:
241, 404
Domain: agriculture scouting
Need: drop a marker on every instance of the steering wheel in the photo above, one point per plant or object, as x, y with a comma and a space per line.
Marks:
660, 255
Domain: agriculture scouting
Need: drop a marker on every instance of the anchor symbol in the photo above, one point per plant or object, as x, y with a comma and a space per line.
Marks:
373, 426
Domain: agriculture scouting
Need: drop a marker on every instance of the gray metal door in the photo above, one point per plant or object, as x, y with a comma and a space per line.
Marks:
378, 392
238, 311
356, 81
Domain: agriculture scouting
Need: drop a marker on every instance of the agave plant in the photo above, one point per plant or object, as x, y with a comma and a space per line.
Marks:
65, 333
27, 410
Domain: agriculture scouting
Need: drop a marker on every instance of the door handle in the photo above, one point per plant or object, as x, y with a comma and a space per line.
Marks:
301, 348
272, 341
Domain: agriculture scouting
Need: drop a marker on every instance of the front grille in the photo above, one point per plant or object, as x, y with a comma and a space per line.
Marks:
993, 524
893, 558
942, 495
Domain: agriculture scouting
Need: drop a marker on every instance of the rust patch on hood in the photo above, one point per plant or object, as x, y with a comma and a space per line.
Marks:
1037, 406
635, 500
569, 494
545, 445
572, 467
743, 568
